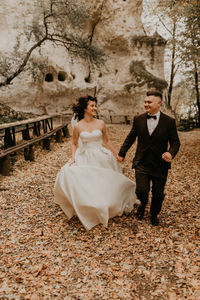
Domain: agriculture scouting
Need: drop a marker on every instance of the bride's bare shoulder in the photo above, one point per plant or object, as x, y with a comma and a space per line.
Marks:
78, 126
100, 122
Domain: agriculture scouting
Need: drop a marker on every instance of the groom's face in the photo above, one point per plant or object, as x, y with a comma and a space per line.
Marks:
152, 104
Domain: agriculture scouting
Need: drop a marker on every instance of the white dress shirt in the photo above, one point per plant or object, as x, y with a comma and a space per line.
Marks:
152, 123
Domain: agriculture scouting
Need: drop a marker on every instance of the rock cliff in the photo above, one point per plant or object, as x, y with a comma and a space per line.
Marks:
134, 61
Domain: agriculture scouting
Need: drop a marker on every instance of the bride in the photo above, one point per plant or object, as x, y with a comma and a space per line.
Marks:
91, 185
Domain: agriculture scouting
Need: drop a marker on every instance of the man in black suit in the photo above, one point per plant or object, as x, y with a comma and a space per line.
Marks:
157, 145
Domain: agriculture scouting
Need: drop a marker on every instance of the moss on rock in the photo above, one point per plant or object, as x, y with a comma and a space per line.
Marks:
8, 114
154, 40
143, 77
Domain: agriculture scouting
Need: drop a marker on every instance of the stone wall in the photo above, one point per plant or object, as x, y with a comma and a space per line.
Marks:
134, 61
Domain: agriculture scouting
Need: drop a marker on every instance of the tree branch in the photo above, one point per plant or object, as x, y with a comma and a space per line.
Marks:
53, 29
165, 26
23, 65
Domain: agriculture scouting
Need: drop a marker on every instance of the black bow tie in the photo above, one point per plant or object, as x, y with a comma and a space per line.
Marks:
149, 117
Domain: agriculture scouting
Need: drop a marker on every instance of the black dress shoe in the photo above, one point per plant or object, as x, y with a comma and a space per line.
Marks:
154, 220
140, 212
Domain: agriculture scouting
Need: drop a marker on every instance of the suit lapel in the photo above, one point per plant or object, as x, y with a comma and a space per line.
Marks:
144, 127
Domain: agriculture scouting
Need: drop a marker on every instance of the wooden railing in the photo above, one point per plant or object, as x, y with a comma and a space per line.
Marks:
32, 131
116, 119
22, 135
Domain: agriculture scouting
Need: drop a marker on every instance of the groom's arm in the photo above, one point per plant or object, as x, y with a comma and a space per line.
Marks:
174, 140
130, 139
174, 143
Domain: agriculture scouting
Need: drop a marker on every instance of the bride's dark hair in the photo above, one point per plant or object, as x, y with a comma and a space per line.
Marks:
81, 105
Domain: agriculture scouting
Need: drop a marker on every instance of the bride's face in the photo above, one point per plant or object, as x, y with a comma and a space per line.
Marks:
91, 108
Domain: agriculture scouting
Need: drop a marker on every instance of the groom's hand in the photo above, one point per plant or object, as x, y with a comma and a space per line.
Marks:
120, 158
167, 156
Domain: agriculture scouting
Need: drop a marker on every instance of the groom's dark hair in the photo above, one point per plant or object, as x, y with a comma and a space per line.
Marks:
154, 92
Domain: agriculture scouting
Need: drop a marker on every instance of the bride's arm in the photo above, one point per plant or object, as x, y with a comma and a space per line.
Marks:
75, 137
107, 142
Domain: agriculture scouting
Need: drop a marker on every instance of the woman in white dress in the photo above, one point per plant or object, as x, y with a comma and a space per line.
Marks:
91, 185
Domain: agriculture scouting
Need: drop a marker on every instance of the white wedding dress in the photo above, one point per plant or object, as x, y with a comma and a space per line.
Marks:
93, 188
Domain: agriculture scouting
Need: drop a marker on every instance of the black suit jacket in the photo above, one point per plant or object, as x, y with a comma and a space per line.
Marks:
151, 147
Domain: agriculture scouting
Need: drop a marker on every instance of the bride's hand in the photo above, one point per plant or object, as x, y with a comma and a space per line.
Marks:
71, 162
120, 159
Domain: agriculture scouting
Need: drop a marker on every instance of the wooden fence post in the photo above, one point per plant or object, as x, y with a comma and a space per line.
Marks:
8, 140
127, 121
59, 136
46, 144
28, 151
5, 165
66, 131
36, 129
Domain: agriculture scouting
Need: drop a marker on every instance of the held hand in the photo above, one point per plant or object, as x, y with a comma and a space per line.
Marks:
120, 159
72, 162
167, 156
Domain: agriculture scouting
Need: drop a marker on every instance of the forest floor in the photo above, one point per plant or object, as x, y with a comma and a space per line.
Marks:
45, 257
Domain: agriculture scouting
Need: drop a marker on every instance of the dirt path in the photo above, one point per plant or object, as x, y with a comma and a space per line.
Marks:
44, 257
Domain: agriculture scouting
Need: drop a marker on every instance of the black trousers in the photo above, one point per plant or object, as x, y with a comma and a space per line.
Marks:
144, 178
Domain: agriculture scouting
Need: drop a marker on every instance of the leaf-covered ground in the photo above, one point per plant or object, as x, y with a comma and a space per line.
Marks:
45, 257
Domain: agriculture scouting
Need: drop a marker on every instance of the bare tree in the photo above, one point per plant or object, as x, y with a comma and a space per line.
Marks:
190, 51
58, 25
185, 42
169, 19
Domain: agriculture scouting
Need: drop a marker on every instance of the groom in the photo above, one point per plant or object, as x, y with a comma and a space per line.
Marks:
157, 145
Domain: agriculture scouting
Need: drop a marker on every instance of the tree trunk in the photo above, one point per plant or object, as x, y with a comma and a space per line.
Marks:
197, 92
21, 68
171, 83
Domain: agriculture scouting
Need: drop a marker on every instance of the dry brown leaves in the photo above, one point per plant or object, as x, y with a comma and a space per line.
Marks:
45, 257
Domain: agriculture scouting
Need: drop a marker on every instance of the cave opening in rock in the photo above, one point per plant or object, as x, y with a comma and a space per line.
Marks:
49, 77
61, 76
87, 79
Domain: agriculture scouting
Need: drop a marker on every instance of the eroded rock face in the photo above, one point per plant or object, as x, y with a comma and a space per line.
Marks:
134, 61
